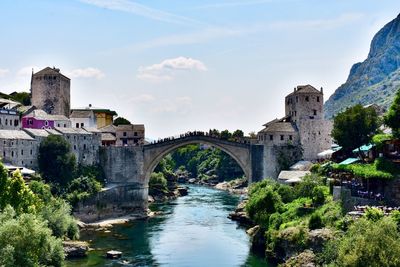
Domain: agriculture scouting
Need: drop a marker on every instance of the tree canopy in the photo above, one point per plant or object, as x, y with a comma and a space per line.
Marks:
392, 117
56, 161
121, 121
355, 127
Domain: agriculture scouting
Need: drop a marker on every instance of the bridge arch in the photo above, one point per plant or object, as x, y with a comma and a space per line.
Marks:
154, 153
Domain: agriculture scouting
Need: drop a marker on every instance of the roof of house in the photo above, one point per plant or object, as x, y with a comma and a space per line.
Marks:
305, 89
91, 129
108, 137
51, 71
81, 114
42, 115
72, 130
288, 175
279, 126
15, 134
96, 110
130, 127
37, 132
108, 129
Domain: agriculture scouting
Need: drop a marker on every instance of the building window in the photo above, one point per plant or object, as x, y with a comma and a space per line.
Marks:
16, 123
315, 112
124, 133
0, 121
82, 124
317, 98
6, 121
77, 125
12, 153
4, 154
58, 125
31, 152
65, 126
46, 123
297, 99
290, 137
295, 113
307, 98
84, 146
282, 137
84, 138
30, 122
271, 137
74, 147
22, 152
135, 134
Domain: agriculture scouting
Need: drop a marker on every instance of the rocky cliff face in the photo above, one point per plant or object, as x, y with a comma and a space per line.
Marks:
375, 80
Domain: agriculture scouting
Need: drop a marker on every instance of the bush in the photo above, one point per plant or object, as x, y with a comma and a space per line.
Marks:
264, 201
369, 243
58, 215
26, 241
157, 183
374, 214
318, 195
306, 186
315, 221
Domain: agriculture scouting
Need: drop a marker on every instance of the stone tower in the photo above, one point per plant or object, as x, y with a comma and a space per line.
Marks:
50, 91
305, 107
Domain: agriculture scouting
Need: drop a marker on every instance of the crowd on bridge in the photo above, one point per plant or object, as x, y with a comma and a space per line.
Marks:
211, 133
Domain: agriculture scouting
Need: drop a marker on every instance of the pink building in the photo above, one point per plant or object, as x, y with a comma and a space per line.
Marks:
39, 119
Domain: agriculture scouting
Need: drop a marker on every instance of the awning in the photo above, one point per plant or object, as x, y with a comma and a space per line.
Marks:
349, 161
364, 148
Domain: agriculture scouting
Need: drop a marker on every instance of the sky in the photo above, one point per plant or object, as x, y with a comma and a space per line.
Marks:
183, 65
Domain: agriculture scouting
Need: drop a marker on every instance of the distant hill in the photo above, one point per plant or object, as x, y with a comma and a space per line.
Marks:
22, 97
375, 80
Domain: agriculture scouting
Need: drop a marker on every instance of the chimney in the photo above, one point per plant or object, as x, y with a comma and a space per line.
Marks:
322, 90
90, 105
295, 89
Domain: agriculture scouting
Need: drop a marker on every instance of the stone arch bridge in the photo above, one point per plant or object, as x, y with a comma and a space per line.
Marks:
128, 171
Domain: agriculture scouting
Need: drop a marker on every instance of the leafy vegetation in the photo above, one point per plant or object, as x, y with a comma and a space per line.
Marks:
380, 169
56, 161
121, 121
355, 127
392, 117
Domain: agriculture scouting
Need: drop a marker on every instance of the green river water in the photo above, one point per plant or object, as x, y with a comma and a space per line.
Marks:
192, 231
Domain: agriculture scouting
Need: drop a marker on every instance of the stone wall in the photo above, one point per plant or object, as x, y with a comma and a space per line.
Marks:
315, 137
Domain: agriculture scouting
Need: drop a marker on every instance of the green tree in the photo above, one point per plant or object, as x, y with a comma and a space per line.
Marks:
355, 127
26, 240
238, 134
56, 161
22, 97
392, 117
226, 135
121, 121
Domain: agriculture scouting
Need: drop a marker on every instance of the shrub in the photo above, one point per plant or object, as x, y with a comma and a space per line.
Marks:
369, 243
297, 236
318, 195
315, 221
395, 215
374, 214
286, 192
157, 183
306, 186
58, 215
265, 200
275, 220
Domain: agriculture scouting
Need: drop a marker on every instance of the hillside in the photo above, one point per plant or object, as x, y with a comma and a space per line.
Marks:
376, 79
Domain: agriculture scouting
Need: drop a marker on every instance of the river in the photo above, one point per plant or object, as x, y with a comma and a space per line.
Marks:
192, 231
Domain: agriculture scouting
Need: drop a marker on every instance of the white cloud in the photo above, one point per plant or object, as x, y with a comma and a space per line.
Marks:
169, 68
143, 98
85, 73
181, 105
4, 72
140, 10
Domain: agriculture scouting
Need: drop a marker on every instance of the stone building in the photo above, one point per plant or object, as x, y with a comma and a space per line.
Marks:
9, 115
82, 117
85, 145
303, 124
39, 119
18, 148
130, 135
50, 91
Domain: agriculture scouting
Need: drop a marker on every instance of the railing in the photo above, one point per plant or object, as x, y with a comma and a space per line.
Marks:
188, 135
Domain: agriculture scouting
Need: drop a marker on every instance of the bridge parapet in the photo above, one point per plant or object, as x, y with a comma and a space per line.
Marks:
245, 142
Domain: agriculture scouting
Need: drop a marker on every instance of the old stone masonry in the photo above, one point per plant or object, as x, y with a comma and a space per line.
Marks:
125, 156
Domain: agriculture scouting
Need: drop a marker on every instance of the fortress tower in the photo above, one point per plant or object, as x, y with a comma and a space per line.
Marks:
305, 107
50, 91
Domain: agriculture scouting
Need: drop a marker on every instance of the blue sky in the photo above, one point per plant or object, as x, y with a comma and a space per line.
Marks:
179, 65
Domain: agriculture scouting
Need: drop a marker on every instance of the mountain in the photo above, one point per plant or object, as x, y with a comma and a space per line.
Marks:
376, 80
